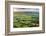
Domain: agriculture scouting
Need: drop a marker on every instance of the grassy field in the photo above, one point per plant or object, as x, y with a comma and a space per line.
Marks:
25, 19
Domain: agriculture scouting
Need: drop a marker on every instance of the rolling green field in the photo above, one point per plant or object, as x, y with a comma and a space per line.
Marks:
25, 19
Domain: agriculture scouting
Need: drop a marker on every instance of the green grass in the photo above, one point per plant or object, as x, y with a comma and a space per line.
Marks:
21, 21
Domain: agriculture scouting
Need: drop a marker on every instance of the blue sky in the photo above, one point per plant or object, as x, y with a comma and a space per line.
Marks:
27, 9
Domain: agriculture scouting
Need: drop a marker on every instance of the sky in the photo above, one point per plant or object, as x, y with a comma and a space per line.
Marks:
26, 9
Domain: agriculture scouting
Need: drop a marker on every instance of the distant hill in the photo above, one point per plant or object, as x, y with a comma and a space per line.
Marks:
27, 13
